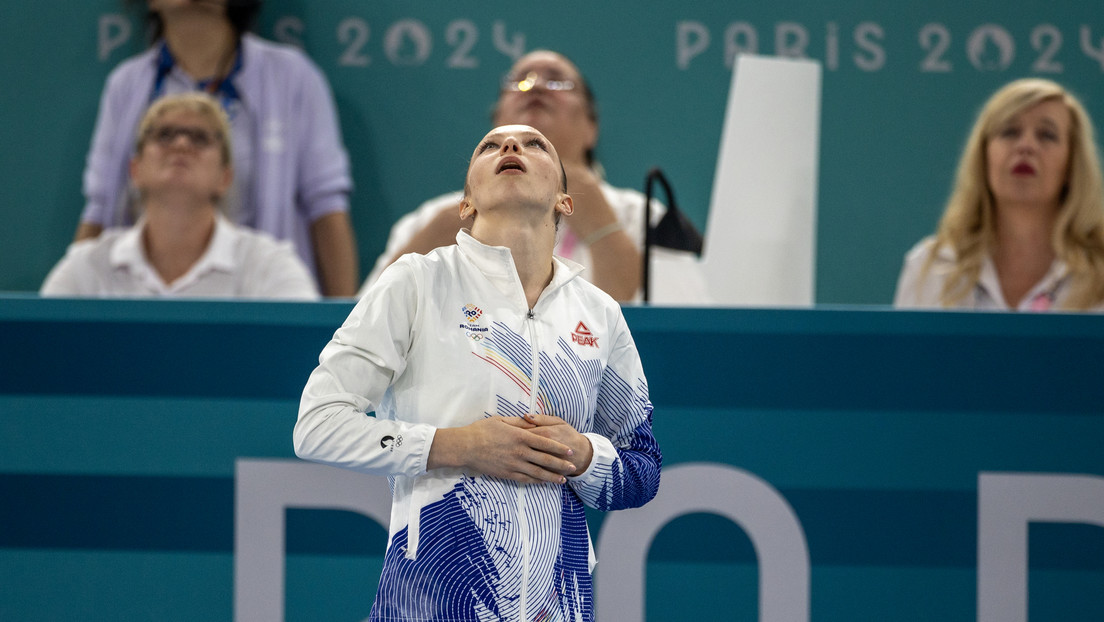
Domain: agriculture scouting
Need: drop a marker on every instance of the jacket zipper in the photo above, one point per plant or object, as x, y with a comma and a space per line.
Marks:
534, 391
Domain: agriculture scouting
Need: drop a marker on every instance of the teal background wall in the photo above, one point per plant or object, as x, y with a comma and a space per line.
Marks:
414, 82
120, 423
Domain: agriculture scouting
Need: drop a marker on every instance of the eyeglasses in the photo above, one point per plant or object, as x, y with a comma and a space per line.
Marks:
532, 79
199, 138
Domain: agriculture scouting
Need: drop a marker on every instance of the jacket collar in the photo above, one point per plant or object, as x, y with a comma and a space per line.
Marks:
497, 264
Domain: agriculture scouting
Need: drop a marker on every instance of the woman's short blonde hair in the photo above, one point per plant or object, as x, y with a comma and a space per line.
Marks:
969, 221
198, 103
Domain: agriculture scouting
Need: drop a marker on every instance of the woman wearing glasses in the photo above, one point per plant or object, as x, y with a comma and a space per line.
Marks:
292, 175
181, 245
546, 91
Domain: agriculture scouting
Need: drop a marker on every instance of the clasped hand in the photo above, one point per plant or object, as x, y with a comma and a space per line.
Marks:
530, 450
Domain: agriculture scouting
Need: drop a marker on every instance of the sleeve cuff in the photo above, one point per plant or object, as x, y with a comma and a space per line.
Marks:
423, 465
604, 453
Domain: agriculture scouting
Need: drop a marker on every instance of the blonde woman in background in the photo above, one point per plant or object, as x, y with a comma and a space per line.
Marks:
1024, 227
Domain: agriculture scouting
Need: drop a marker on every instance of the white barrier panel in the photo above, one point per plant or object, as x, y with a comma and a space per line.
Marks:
760, 243
1007, 503
263, 491
750, 502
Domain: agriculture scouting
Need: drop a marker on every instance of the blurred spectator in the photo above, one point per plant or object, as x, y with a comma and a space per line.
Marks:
181, 245
291, 170
605, 234
1024, 227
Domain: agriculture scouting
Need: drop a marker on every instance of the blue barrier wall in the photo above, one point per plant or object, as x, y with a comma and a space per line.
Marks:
121, 421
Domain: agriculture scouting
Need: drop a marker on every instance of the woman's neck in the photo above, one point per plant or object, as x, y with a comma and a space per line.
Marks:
1023, 252
1026, 229
176, 236
530, 244
202, 42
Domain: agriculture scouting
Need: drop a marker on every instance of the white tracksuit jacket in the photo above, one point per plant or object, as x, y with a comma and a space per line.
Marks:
443, 340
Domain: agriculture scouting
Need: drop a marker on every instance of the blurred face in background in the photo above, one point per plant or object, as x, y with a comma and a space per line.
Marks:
544, 90
181, 154
1028, 157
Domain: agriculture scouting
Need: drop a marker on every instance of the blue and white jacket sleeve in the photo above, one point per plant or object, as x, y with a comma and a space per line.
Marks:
354, 372
624, 471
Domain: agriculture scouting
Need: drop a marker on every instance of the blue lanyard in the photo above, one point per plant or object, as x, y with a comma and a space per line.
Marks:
222, 89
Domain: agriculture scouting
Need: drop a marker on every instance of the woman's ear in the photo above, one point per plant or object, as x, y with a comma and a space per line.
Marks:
565, 205
467, 210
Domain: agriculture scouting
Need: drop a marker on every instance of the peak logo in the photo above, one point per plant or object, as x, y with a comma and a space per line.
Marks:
391, 442
472, 313
582, 336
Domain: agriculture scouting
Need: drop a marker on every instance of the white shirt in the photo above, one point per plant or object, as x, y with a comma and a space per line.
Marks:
238, 263
922, 291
